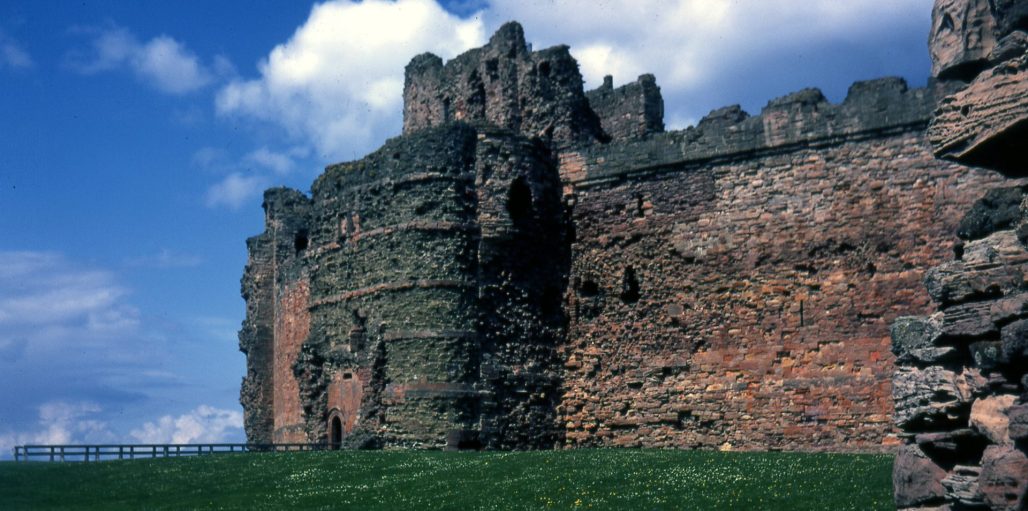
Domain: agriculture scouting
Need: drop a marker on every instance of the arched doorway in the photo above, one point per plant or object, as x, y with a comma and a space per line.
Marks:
335, 433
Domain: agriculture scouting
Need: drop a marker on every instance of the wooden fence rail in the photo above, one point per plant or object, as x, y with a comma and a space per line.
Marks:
138, 451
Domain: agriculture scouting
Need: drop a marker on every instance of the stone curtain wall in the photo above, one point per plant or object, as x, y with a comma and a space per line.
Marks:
748, 302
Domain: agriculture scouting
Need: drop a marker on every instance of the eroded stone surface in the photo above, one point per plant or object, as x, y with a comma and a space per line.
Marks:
962, 37
989, 417
731, 283
916, 480
926, 398
983, 293
985, 124
1004, 478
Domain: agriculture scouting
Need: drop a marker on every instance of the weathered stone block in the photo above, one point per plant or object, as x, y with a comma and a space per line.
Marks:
1015, 341
962, 485
989, 417
1004, 478
987, 355
914, 338
916, 479
991, 268
1018, 415
999, 209
952, 444
984, 123
962, 37
926, 397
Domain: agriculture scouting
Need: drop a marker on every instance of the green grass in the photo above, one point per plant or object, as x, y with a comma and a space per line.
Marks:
575, 479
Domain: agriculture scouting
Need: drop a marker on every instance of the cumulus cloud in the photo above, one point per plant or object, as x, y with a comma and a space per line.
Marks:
244, 177
235, 190
62, 423
690, 42
80, 422
205, 424
338, 80
12, 55
280, 163
161, 62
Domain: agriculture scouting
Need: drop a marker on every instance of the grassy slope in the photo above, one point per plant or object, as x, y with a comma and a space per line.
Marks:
576, 479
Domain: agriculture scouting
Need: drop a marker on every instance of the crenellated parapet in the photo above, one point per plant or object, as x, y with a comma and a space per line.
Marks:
634, 110
801, 119
505, 84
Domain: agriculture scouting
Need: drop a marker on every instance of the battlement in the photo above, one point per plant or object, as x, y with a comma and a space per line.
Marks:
504, 83
634, 110
801, 119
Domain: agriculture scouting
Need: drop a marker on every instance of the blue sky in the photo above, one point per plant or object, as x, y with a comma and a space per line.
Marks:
137, 136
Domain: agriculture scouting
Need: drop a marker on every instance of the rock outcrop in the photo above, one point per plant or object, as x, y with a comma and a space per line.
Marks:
969, 408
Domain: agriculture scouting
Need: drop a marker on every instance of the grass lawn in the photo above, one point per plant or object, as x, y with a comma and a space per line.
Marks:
411, 480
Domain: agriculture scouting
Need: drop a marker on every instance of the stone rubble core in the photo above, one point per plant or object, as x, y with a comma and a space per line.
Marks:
961, 381
532, 265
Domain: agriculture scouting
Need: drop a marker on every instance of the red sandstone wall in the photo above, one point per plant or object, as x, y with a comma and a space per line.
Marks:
765, 293
292, 324
344, 396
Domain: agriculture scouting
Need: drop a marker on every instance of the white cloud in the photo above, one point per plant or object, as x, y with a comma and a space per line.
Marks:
161, 62
62, 423
41, 291
202, 425
278, 163
170, 66
80, 422
12, 55
690, 42
338, 81
234, 190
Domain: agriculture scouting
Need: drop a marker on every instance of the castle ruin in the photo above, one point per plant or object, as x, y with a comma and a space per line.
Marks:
533, 265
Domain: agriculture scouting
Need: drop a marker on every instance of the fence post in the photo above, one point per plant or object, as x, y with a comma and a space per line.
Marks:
17, 454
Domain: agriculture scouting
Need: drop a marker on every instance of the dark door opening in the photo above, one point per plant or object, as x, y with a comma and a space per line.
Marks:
336, 433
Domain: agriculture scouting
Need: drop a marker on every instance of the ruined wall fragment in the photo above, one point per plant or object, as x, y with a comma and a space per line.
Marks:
734, 283
633, 110
977, 453
274, 263
505, 84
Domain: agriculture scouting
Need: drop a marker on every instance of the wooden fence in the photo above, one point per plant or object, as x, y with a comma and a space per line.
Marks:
87, 453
